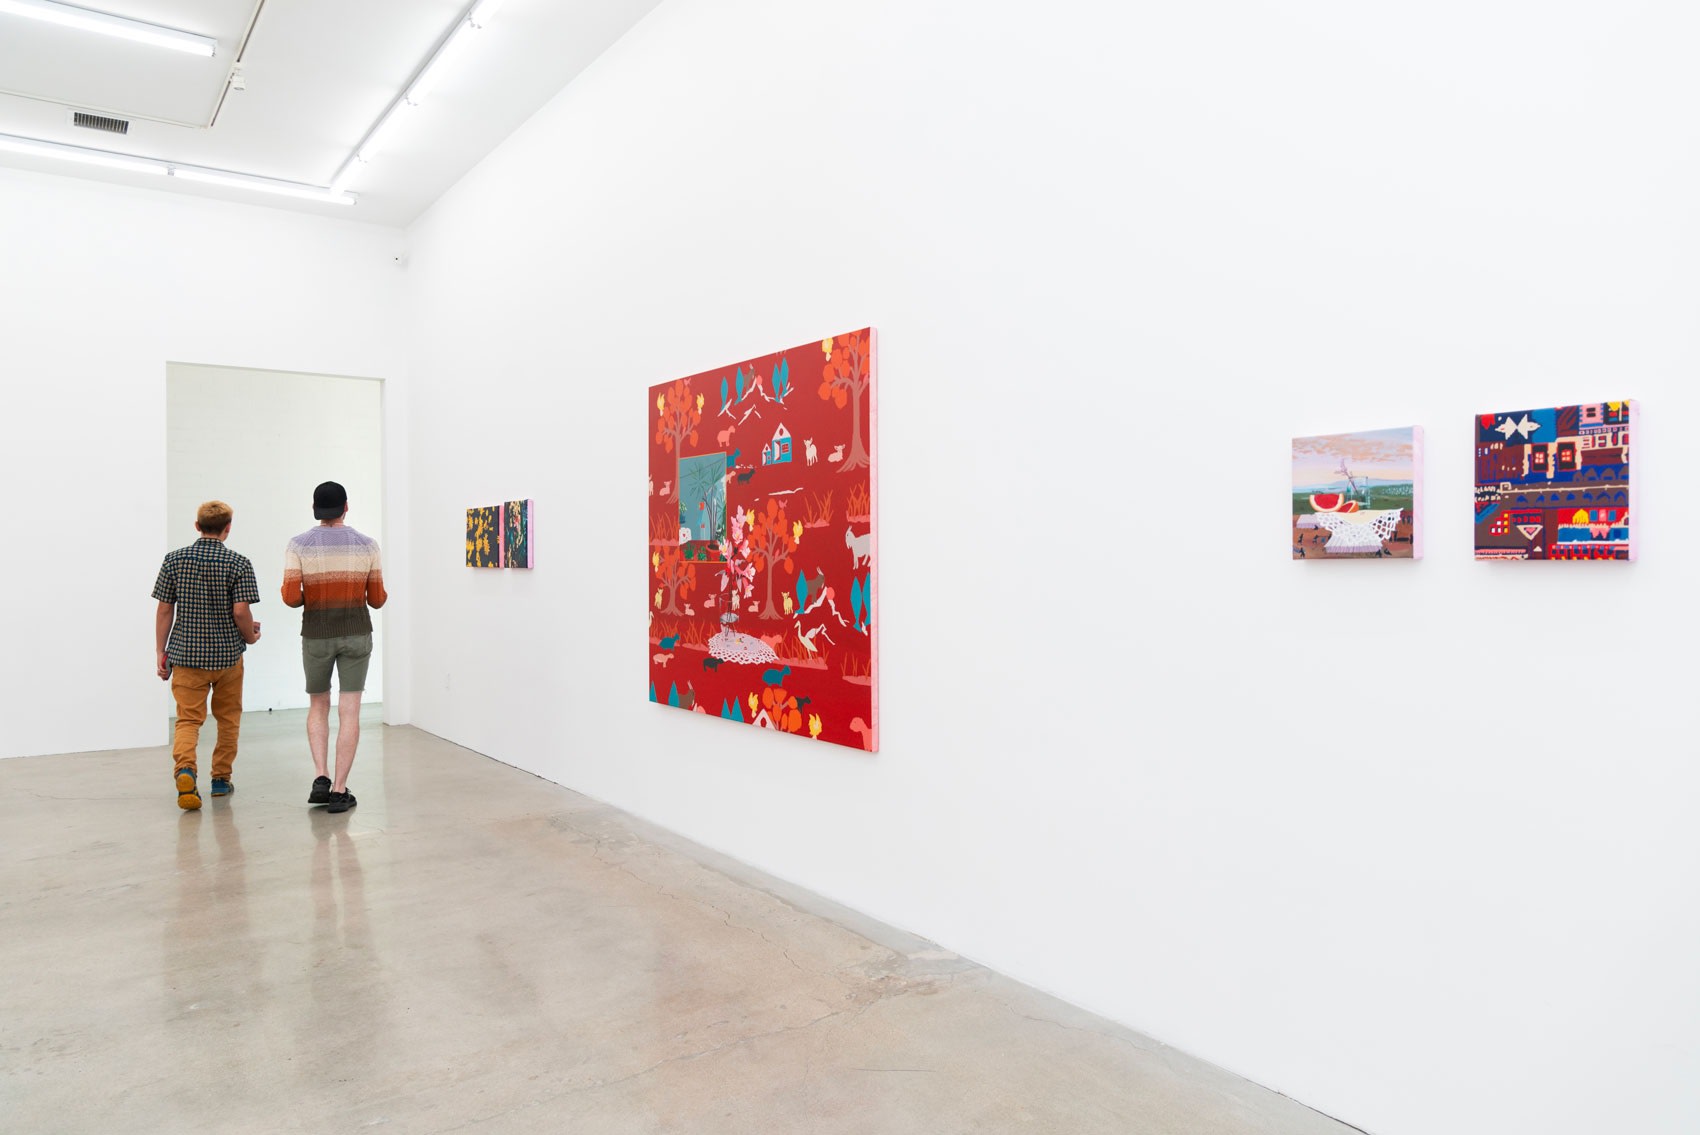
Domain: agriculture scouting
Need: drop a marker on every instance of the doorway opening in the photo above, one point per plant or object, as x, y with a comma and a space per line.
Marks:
260, 440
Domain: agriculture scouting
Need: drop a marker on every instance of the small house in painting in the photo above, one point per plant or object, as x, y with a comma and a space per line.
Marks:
777, 451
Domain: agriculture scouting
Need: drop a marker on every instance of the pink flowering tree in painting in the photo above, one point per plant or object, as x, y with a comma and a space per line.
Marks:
845, 378
738, 571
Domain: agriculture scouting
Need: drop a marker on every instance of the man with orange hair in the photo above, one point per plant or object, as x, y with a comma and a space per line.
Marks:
203, 625
334, 572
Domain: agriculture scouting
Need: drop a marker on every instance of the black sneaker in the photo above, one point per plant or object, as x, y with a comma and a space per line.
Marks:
341, 802
321, 792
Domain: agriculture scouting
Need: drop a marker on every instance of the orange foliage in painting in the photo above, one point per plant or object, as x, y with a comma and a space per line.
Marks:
817, 510
676, 575
772, 541
677, 422
845, 378
782, 709
664, 530
860, 505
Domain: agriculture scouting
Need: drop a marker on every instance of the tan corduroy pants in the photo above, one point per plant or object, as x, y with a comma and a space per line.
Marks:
190, 688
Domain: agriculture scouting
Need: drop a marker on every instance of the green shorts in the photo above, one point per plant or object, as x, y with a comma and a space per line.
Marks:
348, 655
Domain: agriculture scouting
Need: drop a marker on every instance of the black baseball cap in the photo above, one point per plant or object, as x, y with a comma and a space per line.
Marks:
330, 500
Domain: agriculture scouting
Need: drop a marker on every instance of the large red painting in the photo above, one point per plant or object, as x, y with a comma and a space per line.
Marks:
761, 542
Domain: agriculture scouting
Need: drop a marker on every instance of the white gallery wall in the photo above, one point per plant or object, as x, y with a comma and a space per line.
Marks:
1413, 843
261, 440
101, 287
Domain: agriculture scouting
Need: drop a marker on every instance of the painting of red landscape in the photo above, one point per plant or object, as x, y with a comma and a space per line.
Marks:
761, 542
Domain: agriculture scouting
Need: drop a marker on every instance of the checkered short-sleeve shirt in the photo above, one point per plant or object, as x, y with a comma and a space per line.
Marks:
203, 582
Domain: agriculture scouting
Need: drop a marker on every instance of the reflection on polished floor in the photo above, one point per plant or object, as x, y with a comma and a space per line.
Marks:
474, 949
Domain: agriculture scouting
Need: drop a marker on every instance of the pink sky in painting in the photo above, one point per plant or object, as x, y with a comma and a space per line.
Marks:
1385, 455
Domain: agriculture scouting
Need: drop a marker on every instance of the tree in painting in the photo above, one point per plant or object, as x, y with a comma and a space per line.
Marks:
782, 709
772, 540
845, 376
676, 575
677, 426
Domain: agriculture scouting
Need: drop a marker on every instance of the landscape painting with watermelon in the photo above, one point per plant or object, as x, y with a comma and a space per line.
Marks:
1358, 496
761, 542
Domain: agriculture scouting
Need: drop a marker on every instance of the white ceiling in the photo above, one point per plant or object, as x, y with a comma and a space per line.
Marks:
319, 74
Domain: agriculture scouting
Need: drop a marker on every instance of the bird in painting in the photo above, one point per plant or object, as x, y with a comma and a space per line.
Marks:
814, 725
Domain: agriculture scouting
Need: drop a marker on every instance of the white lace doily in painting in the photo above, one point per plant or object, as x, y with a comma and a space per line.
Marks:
735, 646
1354, 532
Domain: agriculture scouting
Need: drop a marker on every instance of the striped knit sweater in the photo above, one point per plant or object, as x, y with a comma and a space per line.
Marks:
335, 571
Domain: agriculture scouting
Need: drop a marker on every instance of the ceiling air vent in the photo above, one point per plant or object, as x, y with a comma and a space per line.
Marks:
100, 122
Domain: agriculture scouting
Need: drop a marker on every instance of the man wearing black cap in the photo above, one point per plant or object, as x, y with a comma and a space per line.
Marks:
335, 572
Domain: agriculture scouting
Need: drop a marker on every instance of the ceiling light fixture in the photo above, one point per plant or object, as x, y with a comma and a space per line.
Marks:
34, 147
83, 19
261, 184
80, 154
476, 17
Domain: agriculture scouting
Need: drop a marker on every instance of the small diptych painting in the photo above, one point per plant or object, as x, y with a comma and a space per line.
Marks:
1358, 496
1555, 484
761, 542
516, 534
484, 537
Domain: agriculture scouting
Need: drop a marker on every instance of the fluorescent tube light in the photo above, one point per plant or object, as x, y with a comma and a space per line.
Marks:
386, 126
36, 148
481, 12
79, 154
476, 17
262, 185
83, 19
433, 71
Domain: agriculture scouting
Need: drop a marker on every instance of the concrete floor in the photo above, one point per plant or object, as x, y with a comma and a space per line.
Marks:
473, 948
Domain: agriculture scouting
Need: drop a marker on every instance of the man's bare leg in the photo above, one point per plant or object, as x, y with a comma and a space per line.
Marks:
319, 730
347, 736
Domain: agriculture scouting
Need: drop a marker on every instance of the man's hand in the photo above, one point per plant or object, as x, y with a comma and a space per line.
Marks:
162, 666
247, 626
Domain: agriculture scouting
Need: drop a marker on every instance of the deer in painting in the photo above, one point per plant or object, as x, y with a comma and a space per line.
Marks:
837, 454
809, 448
